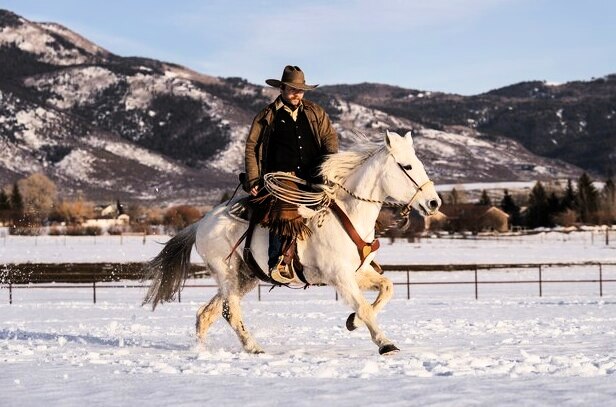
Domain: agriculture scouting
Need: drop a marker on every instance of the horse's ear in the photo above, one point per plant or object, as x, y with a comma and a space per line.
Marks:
391, 138
409, 136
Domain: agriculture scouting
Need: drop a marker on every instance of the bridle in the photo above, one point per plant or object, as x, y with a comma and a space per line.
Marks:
274, 183
407, 207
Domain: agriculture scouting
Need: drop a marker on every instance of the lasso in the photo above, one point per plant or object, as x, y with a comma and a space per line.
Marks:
275, 184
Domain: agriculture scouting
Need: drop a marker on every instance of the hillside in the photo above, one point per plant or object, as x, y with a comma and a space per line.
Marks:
147, 130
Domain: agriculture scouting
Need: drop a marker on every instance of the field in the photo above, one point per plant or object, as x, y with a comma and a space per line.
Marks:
509, 347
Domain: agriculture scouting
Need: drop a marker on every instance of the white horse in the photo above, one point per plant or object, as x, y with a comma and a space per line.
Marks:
366, 176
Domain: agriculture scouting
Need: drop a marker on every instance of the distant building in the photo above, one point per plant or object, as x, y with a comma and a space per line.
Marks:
108, 215
470, 217
113, 210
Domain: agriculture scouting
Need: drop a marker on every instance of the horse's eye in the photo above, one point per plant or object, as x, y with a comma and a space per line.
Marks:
407, 167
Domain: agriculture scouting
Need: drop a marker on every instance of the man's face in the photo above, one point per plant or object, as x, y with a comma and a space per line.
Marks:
292, 95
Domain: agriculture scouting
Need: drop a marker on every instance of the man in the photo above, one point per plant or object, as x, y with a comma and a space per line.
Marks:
291, 135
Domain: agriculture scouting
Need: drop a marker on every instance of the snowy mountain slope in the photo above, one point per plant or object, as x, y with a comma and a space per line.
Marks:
84, 159
574, 122
107, 125
49, 43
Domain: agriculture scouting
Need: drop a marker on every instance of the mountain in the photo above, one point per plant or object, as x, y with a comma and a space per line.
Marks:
574, 122
145, 130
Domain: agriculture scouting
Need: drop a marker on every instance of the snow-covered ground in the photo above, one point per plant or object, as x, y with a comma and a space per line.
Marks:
510, 347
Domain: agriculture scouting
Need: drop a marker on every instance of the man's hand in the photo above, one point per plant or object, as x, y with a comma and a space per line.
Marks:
254, 190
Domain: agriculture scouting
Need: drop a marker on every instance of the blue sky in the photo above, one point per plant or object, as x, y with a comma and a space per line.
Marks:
458, 46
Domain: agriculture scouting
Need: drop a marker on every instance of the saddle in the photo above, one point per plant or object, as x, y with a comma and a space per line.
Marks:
244, 210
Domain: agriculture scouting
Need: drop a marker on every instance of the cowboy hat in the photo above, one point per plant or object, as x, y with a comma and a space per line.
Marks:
292, 76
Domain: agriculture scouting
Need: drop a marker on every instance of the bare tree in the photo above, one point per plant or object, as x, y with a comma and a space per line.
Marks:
75, 211
39, 195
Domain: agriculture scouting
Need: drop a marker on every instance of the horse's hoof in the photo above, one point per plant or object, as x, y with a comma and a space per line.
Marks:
389, 349
350, 325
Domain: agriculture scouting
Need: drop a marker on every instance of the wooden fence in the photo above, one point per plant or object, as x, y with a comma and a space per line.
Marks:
80, 275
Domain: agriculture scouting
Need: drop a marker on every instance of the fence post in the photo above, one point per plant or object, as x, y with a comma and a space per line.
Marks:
600, 280
476, 285
540, 281
408, 285
336, 291
180, 295
94, 291
259, 291
10, 292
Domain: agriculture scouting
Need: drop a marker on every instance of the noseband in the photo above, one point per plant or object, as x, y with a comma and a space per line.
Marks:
419, 188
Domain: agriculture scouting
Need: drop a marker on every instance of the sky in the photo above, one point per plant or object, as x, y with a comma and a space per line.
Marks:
456, 46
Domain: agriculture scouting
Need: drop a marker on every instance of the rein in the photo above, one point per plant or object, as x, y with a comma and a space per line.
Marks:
275, 185
407, 207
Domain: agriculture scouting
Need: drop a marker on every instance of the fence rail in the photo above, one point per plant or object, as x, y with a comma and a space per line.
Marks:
103, 275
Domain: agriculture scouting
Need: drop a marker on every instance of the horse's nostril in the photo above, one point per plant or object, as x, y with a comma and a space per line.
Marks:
433, 204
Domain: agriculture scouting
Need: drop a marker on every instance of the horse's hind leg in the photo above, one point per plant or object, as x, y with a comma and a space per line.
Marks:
368, 279
207, 315
232, 312
237, 285
234, 282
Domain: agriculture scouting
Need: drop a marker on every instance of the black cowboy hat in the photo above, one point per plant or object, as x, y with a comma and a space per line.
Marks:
292, 76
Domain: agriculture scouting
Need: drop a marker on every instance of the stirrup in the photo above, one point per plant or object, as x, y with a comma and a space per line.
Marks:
282, 273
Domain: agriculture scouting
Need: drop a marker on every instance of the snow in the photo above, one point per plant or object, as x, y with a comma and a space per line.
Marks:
33, 122
231, 159
478, 186
509, 347
77, 164
32, 39
73, 37
134, 153
74, 86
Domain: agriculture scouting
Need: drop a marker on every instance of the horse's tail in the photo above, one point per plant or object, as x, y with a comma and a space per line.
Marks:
169, 269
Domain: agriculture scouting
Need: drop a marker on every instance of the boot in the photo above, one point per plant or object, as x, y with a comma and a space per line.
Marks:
281, 272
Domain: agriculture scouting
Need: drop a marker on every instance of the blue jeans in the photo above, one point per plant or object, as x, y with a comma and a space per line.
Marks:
274, 250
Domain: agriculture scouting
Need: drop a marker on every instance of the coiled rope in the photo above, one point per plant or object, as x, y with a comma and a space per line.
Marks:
277, 185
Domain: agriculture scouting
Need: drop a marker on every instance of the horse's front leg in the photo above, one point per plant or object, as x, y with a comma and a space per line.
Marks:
369, 279
350, 292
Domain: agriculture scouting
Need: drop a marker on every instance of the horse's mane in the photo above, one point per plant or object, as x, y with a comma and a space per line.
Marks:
337, 167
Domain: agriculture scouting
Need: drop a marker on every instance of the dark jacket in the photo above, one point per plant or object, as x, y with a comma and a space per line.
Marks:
258, 137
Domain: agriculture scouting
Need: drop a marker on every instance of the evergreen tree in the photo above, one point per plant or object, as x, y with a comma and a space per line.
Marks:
4, 201
538, 214
509, 206
568, 201
587, 198
608, 197
554, 204
485, 199
17, 202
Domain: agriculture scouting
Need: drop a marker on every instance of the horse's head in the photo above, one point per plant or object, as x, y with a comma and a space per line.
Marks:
405, 178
